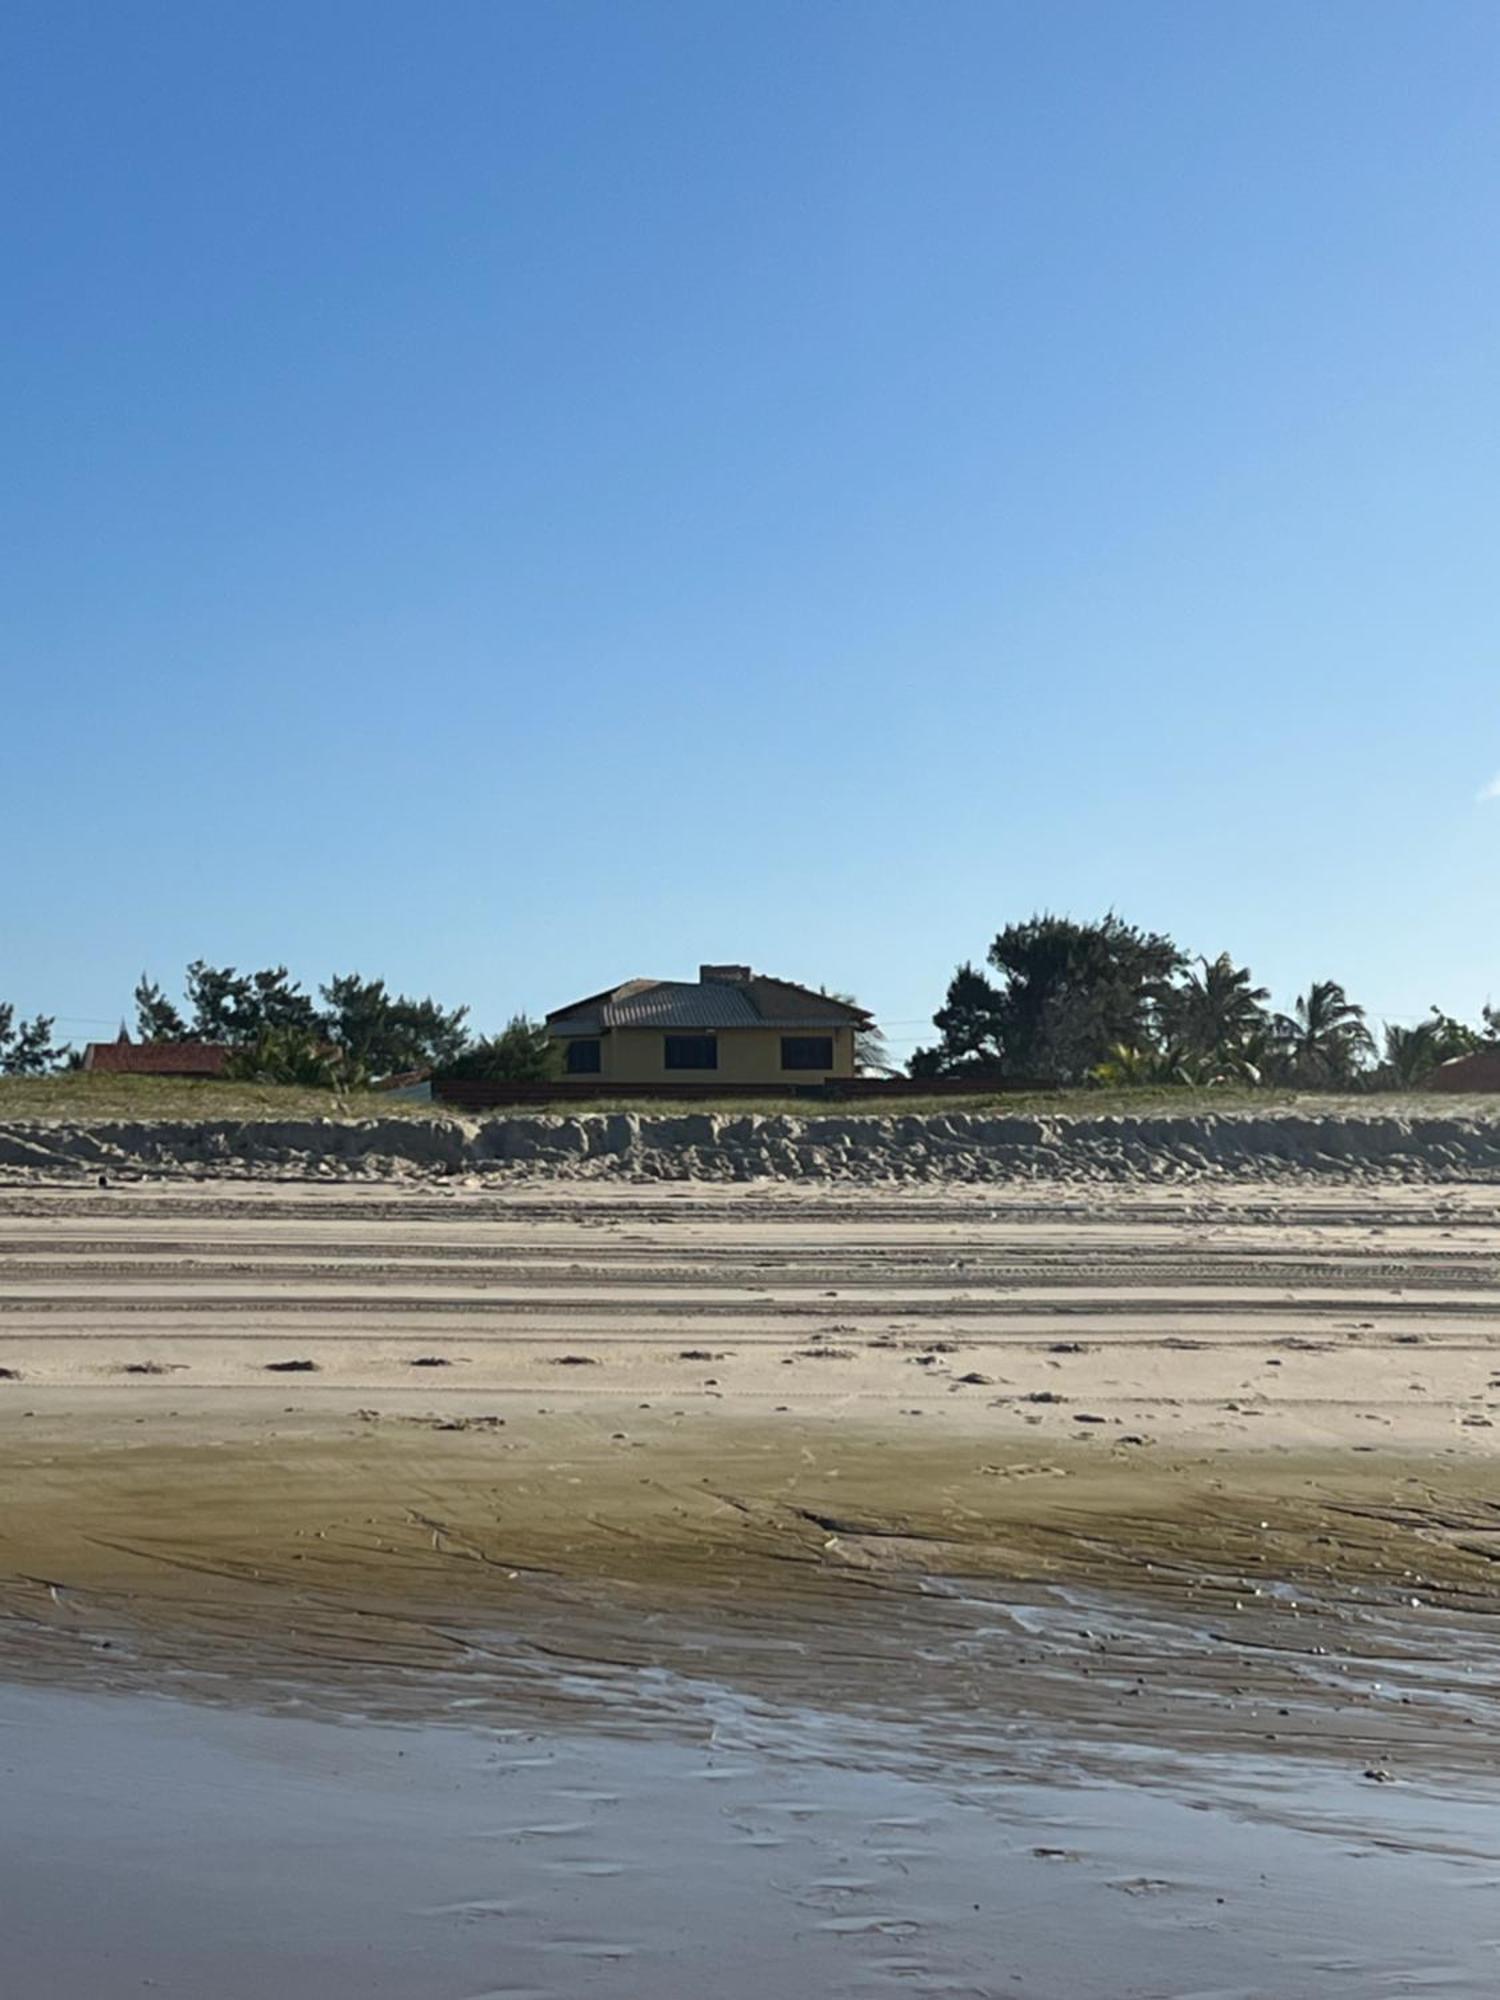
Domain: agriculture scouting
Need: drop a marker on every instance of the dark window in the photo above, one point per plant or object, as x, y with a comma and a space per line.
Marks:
690, 1052
807, 1052
583, 1059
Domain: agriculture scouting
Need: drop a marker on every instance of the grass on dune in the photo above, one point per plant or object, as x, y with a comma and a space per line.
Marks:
1148, 1101
81, 1095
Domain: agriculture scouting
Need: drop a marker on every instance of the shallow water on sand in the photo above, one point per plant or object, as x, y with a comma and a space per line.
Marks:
668, 1834
396, 1723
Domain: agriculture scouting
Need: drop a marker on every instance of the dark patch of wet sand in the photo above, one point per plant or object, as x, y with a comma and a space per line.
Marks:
1288, 1605
804, 1707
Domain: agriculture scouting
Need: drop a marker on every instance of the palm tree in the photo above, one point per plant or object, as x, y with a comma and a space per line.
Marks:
872, 1056
1128, 1067
1215, 1013
1324, 1039
1411, 1054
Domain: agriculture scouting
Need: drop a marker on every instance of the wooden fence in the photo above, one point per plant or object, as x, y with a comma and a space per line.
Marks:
469, 1094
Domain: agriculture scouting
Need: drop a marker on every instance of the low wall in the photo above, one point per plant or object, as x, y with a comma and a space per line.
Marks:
472, 1094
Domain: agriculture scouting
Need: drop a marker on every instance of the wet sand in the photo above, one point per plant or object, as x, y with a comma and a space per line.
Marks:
189, 1852
706, 1657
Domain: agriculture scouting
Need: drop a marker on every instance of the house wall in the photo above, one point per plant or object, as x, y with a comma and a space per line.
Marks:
746, 1055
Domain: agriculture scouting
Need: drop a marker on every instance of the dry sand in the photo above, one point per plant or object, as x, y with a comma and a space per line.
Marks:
1206, 1316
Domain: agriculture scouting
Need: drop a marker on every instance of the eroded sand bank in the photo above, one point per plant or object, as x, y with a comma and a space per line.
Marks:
1435, 1139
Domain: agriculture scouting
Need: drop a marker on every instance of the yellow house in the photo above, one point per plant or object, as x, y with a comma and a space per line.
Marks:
730, 1026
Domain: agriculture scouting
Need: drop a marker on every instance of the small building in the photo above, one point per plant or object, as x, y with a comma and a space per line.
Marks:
412, 1085
730, 1025
124, 1057
1478, 1071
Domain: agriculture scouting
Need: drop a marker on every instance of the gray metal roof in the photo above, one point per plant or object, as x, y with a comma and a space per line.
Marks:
676, 1004
781, 1003
574, 1024
707, 1004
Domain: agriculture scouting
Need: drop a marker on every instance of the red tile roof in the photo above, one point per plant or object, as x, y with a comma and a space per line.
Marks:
157, 1058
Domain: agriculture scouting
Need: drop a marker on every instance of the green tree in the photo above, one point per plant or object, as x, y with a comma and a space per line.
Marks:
1324, 1042
229, 1006
390, 1033
1410, 1054
970, 1024
156, 1019
294, 1055
1213, 1018
1066, 994
27, 1047
220, 1004
280, 1003
524, 1053
1073, 991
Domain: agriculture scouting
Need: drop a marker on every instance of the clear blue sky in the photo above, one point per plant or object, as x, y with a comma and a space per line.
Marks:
515, 496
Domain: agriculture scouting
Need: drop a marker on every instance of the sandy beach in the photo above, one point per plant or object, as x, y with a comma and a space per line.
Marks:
1202, 1316
1088, 1511
662, 1381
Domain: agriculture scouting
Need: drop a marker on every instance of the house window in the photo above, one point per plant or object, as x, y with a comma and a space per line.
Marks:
807, 1052
690, 1052
583, 1058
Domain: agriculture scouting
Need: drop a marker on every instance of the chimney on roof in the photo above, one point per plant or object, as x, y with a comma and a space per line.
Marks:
723, 975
